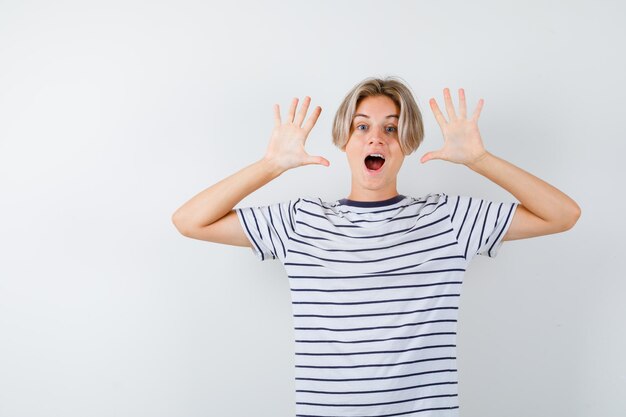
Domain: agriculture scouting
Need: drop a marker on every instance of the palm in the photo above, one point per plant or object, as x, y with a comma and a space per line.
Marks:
462, 141
287, 141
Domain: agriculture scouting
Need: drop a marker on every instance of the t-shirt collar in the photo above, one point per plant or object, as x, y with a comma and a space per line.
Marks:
389, 201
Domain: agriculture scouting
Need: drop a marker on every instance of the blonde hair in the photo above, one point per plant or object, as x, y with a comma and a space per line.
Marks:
410, 126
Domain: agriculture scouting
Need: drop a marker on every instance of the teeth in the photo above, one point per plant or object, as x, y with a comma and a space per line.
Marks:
377, 154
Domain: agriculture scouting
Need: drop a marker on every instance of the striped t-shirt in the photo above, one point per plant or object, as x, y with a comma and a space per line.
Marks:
375, 290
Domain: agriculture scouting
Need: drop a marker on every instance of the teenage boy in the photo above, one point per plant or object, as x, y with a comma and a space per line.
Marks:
375, 277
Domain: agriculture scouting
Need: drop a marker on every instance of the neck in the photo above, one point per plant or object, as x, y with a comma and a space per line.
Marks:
372, 195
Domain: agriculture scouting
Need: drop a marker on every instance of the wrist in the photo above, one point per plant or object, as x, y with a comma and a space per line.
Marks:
479, 161
270, 166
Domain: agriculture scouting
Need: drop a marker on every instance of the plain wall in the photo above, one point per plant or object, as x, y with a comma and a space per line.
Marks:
115, 113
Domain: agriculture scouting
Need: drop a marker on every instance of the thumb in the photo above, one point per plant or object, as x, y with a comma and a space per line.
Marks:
430, 155
316, 160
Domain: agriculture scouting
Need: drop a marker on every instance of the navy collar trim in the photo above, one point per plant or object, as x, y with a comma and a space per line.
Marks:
392, 200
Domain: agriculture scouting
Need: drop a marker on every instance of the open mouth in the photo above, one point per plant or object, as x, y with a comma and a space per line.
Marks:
374, 161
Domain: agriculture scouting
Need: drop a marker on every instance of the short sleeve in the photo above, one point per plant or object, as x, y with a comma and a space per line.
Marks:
480, 224
268, 228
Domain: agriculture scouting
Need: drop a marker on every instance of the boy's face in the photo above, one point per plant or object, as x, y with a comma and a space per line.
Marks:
374, 131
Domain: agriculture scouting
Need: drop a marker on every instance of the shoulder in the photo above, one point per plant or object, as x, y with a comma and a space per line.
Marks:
309, 202
311, 206
429, 199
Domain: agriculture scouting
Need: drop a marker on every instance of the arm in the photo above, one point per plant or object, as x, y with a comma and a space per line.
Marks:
543, 209
210, 216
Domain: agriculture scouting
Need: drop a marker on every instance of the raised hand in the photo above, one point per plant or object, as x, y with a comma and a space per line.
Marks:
462, 141
286, 147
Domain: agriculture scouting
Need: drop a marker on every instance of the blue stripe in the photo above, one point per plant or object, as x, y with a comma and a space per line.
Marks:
480, 242
495, 223
291, 218
469, 204
396, 287
309, 237
259, 231
385, 403
364, 261
393, 218
269, 233
282, 220
438, 371
373, 352
385, 219
393, 300
388, 415
257, 223
377, 365
469, 238
493, 230
377, 340
421, 216
397, 313
354, 237
382, 247
269, 210
434, 271
441, 258
502, 229
354, 329
456, 206
245, 223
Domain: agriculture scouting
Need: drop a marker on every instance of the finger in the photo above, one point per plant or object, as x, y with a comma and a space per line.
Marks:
479, 107
318, 160
312, 119
438, 115
303, 110
449, 106
430, 155
292, 110
462, 104
276, 115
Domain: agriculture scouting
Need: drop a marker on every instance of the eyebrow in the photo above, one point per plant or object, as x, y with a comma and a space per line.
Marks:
366, 116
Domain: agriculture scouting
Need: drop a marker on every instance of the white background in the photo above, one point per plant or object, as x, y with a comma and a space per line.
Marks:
115, 113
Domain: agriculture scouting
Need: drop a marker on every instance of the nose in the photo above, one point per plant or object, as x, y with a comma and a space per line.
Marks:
377, 135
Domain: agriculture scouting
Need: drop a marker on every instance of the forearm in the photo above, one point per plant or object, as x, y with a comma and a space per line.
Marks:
536, 195
216, 201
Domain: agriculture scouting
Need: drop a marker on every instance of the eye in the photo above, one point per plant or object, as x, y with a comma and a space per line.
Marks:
393, 129
358, 126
